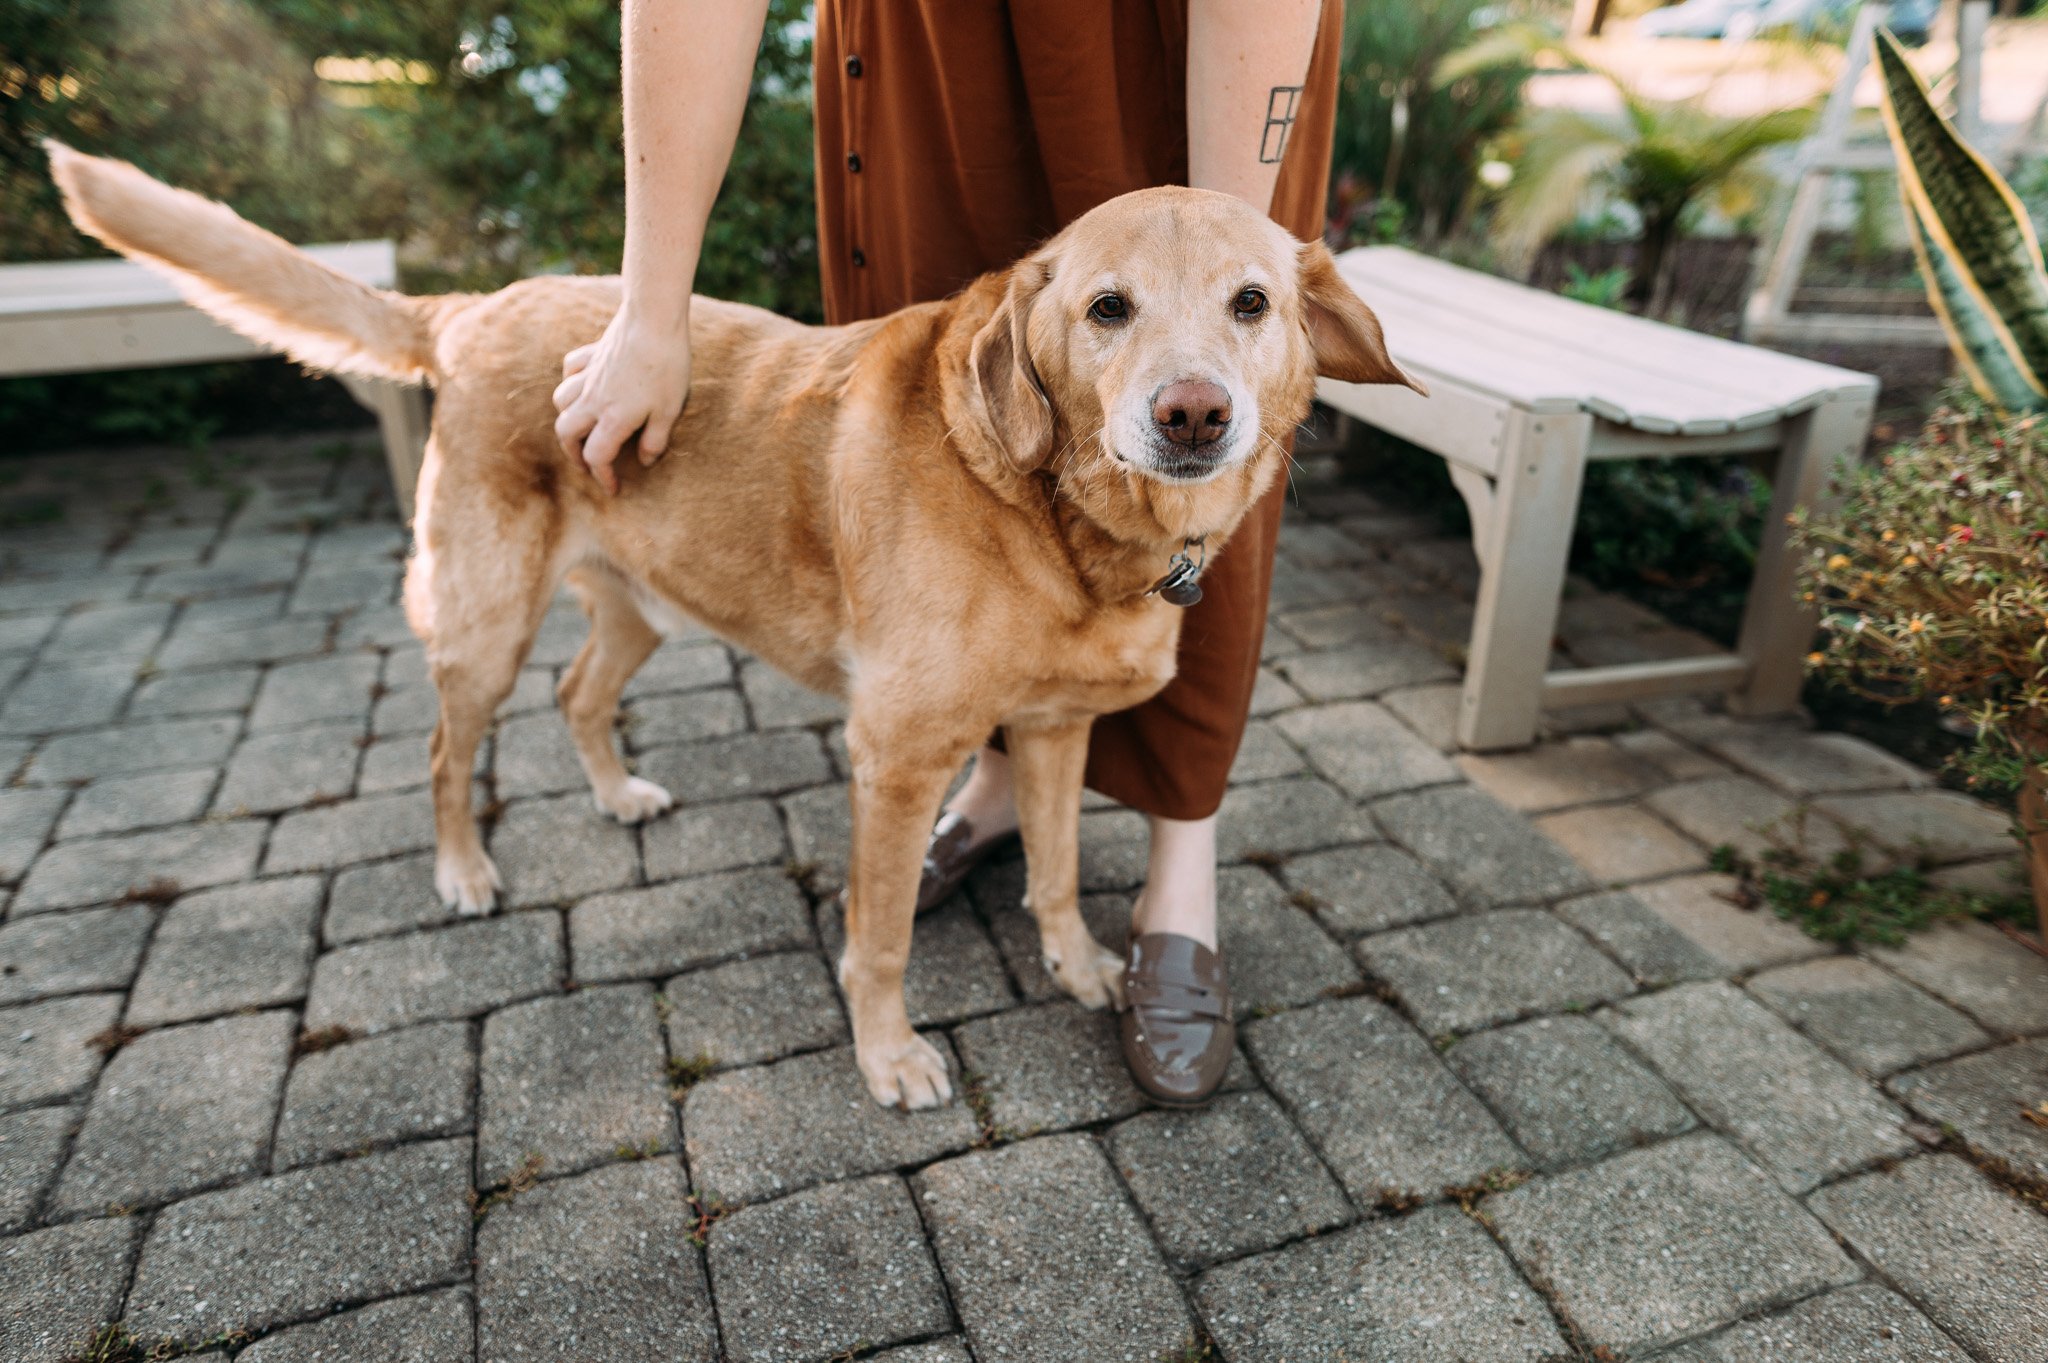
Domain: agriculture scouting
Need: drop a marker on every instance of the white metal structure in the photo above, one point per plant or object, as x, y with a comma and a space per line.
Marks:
1525, 387
80, 316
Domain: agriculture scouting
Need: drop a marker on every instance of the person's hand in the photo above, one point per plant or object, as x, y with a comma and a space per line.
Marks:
628, 381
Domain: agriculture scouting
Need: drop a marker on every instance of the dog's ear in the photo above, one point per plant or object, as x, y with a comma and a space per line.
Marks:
1012, 398
1341, 328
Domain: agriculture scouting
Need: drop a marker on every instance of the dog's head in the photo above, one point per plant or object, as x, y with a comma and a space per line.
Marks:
1167, 341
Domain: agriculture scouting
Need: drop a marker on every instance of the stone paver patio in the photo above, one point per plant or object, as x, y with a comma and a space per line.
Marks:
1517, 1081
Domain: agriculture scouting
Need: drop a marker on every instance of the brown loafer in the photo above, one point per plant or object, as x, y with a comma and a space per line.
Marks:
1178, 1036
949, 856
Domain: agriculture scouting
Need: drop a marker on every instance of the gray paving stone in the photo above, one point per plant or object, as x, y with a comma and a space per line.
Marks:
25, 633
267, 642
664, 929
97, 870
950, 1350
325, 591
318, 691
1705, 910
1108, 917
385, 897
1870, 1019
1556, 775
62, 696
152, 745
745, 764
1660, 1244
1966, 1252
194, 693
709, 838
1566, 1091
31, 1147
1975, 967
59, 1285
748, 1011
779, 703
1048, 1067
245, 946
1364, 750
291, 1247
562, 632
453, 972
595, 1267
682, 665
1465, 973
405, 710
1366, 670
1797, 1110
1748, 816
26, 818
1804, 764
1115, 844
1653, 950
179, 1110
1271, 694
123, 804
434, 1327
1280, 818
825, 1272
536, 756
759, 1133
1264, 755
657, 721
820, 834
1429, 1286
1229, 1179
1943, 825
1047, 1260
1356, 890
396, 1087
1985, 1098
542, 1095
402, 763
558, 849
71, 953
1377, 1101
1276, 955
955, 971
1860, 1324
274, 772
46, 1051
1486, 852
368, 829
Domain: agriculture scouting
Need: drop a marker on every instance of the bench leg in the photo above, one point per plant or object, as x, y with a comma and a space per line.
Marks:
401, 412
1777, 628
1523, 548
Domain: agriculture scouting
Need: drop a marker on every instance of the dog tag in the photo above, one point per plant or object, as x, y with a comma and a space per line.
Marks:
1183, 586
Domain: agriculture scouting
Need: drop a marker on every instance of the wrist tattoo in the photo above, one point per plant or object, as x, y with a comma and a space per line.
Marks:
1280, 105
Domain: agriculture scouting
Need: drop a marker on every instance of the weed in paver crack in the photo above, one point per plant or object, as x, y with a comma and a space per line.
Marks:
1468, 1196
1259, 856
1351, 990
159, 890
1199, 1349
704, 1214
522, 1179
1841, 900
804, 873
1302, 899
113, 1344
647, 1149
1397, 1201
111, 1039
684, 1075
978, 1091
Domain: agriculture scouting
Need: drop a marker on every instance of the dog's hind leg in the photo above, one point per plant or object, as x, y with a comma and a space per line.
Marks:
620, 641
1048, 763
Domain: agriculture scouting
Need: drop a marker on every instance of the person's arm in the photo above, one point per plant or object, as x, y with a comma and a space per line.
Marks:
687, 66
1247, 60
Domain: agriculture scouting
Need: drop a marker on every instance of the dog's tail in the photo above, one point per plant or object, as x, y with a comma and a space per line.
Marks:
255, 282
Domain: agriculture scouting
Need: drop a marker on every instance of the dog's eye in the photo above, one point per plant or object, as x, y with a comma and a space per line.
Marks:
1249, 304
1111, 307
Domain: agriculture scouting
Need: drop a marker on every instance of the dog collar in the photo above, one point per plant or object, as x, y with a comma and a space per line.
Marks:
1182, 585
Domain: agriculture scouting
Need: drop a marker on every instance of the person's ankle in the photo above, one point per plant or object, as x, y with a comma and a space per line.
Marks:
1180, 881
986, 798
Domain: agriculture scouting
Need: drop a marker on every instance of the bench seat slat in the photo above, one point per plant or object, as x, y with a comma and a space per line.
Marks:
59, 288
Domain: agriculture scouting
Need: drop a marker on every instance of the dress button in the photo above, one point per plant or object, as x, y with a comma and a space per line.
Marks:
853, 162
853, 65
859, 258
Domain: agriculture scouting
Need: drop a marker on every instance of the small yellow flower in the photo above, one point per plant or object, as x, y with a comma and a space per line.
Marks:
1915, 625
1814, 659
1838, 562
1910, 561
1889, 536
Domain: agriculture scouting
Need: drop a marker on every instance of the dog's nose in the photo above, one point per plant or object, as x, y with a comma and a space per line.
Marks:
1192, 412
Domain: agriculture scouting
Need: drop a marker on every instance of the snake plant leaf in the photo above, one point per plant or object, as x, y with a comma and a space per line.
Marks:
1975, 240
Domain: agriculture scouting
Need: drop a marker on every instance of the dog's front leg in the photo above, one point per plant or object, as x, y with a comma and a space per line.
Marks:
900, 775
1047, 764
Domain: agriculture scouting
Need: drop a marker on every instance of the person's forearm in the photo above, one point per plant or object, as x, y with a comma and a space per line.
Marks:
687, 64
1246, 63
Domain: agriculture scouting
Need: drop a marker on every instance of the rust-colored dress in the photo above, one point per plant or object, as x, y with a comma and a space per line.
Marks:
953, 136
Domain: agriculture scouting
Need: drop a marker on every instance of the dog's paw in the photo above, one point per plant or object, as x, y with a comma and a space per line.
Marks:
635, 801
1093, 974
469, 885
911, 1076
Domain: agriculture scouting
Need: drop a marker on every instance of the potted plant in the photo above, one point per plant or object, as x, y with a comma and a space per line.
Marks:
1932, 575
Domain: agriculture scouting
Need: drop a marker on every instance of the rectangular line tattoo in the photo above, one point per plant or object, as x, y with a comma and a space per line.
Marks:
1279, 118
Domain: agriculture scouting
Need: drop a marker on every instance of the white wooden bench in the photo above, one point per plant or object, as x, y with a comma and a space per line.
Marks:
79, 316
1525, 387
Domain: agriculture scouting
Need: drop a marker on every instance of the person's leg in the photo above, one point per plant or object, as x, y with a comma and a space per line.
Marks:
986, 798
